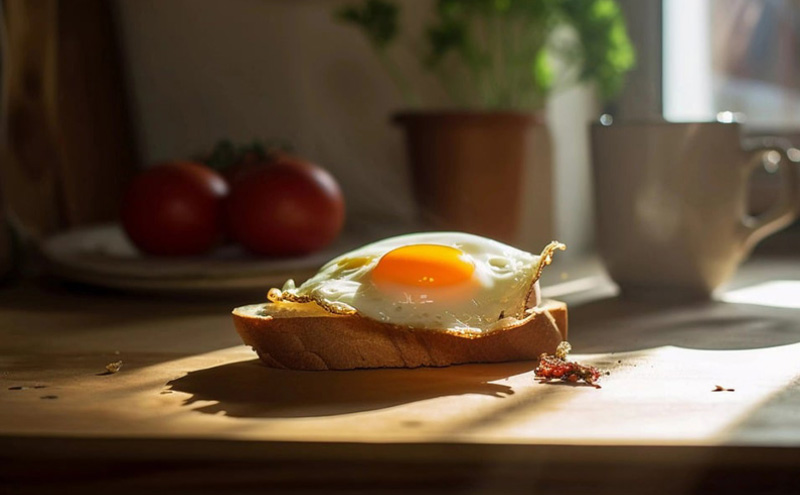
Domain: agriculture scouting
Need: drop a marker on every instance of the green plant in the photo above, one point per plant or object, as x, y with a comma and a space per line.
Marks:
505, 54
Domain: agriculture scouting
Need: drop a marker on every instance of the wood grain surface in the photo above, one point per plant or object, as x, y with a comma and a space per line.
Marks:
192, 409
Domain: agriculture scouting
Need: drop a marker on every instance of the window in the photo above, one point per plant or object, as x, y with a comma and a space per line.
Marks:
732, 55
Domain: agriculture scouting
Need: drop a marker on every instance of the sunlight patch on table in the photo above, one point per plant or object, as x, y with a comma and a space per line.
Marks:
573, 286
778, 294
663, 395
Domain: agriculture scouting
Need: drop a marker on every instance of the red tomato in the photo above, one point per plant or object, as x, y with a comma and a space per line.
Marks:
175, 209
288, 207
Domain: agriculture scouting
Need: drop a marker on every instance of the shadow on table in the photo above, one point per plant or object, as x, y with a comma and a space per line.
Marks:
619, 325
48, 294
250, 389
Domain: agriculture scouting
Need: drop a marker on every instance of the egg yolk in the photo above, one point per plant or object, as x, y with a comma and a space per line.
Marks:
424, 266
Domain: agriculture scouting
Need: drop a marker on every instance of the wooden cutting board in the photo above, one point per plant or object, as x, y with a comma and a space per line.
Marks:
188, 390
183, 375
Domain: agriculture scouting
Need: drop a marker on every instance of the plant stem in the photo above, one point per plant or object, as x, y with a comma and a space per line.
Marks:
477, 66
453, 91
535, 41
498, 60
409, 96
513, 63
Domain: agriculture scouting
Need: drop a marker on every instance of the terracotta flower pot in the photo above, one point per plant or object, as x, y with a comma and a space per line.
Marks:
469, 170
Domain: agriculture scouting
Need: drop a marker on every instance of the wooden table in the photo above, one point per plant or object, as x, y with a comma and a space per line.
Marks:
192, 410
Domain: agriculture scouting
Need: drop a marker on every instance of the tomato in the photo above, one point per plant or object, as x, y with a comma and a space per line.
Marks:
175, 209
288, 207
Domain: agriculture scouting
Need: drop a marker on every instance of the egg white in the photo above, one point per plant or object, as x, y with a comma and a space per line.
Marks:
504, 281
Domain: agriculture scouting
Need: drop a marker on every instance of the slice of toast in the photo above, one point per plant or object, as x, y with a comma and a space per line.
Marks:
303, 336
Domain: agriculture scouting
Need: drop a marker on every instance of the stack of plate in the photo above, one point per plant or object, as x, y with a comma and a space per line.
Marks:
103, 256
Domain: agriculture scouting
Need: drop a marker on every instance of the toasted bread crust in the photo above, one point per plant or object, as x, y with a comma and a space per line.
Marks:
317, 341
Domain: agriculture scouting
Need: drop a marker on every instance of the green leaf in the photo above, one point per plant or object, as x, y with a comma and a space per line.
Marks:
377, 19
542, 72
225, 154
606, 51
501, 53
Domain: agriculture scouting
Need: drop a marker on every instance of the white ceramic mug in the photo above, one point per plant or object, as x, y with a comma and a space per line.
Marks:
671, 204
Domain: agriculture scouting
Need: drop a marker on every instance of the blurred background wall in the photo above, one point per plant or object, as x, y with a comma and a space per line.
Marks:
197, 71
201, 70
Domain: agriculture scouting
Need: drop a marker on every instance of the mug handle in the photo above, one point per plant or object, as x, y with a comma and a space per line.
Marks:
785, 210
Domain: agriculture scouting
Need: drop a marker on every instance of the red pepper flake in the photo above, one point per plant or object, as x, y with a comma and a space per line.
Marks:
720, 388
553, 367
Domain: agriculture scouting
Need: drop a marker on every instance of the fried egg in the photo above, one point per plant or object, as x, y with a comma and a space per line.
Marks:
435, 280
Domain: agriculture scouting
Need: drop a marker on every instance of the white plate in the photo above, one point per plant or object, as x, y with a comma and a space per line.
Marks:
103, 256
